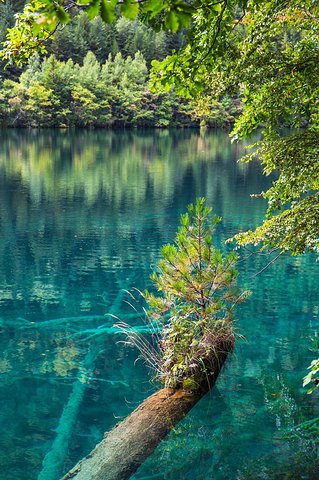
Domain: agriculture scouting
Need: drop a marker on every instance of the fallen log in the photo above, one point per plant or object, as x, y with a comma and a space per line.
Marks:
128, 444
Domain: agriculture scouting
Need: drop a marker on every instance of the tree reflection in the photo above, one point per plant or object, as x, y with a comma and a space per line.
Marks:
83, 214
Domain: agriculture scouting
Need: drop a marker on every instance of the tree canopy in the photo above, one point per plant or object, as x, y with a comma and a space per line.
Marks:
268, 52
265, 50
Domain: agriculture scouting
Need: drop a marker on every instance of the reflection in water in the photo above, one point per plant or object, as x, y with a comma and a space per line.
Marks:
83, 215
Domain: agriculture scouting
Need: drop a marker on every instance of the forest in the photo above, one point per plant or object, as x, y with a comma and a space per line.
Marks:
97, 75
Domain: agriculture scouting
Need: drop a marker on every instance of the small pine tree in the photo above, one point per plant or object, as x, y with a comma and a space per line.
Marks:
198, 292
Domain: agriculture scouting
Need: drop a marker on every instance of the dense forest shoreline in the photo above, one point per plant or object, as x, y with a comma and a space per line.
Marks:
97, 75
54, 93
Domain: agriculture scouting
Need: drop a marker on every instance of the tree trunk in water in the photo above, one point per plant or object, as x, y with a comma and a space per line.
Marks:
128, 444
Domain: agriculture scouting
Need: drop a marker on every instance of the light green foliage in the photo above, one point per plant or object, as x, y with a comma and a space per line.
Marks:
266, 51
39, 104
198, 293
84, 105
91, 94
312, 376
311, 380
33, 27
64, 94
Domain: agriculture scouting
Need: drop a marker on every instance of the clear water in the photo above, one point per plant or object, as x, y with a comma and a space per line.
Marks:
83, 215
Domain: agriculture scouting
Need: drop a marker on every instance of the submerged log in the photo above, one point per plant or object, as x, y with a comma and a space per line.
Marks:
52, 465
128, 444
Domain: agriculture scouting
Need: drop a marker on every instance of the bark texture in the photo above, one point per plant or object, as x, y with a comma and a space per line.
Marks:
128, 444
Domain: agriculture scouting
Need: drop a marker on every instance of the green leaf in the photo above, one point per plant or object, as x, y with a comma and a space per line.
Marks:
184, 19
61, 14
171, 21
217, 7
129, 9
107, 10
94, 9
155, 7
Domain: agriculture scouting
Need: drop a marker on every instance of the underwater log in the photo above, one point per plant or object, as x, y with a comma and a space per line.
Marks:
52, 465
130, 442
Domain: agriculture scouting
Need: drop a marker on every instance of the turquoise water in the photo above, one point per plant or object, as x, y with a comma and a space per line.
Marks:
83, 216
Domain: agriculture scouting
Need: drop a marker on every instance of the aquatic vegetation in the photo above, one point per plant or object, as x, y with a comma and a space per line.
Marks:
313, 376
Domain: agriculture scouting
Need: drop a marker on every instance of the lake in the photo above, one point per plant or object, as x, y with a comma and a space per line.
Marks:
83, 216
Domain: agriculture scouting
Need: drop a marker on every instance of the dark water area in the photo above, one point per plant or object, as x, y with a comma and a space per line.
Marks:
83, 215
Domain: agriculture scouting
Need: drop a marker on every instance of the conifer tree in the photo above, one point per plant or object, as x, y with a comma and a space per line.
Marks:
198, 293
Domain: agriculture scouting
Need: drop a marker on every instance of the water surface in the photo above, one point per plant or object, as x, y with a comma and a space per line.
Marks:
83, 216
